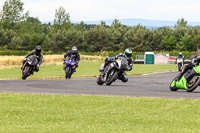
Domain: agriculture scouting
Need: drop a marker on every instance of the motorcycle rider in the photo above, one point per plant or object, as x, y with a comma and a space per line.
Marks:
180, 59
128, 55
180, 55
74, 54
39, 56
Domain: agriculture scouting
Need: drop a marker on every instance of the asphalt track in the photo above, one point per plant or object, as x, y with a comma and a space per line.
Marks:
152, 85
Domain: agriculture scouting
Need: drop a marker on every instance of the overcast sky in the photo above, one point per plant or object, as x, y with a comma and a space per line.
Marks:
87, 10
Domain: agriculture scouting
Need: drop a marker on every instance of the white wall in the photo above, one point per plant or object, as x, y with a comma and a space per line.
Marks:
160, 59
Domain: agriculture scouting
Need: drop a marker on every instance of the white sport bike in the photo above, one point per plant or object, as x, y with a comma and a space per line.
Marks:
180, 63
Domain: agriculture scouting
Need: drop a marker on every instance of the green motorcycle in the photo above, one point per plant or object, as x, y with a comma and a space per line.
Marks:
189, 81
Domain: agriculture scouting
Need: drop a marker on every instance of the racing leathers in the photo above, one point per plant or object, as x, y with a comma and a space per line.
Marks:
180, 56
39, 57
123, 77
74, 55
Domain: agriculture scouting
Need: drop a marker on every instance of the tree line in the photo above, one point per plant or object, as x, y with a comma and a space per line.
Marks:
20, 31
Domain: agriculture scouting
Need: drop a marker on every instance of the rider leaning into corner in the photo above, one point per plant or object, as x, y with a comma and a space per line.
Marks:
128, 55
194, 62
39, 56
74, 54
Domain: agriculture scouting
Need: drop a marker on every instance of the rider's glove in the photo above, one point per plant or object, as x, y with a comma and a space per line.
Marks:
130, 67
24, 59
76, 64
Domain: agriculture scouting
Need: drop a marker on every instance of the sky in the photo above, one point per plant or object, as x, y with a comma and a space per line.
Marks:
92, 10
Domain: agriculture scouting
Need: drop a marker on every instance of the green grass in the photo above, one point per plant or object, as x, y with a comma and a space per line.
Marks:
58, 113
85, 69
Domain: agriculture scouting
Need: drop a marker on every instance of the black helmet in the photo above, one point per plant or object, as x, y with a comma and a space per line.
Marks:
74, 49
38, 49
128, 53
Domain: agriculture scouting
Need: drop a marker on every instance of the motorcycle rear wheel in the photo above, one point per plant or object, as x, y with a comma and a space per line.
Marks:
192, 86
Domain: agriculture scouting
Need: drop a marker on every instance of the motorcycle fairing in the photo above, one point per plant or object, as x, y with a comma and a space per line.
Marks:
197, 69
70, 62
182, 83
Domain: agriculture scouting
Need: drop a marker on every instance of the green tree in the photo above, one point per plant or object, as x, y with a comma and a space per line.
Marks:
61, 16
117, 34
186, 43
181, 23
196, 41
135, 38
80, 27
12, 13
98, 39
169, 42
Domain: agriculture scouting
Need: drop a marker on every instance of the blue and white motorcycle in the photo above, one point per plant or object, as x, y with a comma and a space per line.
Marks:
69, 67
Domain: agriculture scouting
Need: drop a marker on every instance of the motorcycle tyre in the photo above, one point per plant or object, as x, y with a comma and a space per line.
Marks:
25, 72
194, 86
179, 67
67, 74
99, 81
113, 78
174, 88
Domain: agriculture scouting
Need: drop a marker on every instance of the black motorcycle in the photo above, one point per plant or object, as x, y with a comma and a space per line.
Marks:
112, 71
29, 66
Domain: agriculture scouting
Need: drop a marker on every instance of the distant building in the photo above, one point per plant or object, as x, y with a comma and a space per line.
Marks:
151, 58
161, 59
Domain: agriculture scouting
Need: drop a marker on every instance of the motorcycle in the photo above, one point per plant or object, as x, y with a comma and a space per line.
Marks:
69, 67
180, 64
189, 81
112, 71
29, 66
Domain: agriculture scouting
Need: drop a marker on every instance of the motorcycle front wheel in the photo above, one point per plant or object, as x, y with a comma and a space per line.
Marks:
179, 67
67, 73
173, 86
99, 81
112, 76
25, 72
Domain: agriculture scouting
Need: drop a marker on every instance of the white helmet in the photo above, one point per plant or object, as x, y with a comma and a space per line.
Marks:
180, 53
74, 49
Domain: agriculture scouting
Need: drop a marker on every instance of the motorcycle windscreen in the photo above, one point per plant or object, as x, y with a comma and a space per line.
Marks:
182, 83
33, 61
179, 60
122, 63
70, 60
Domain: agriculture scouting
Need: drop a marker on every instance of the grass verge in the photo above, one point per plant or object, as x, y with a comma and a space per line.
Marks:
85, 69
58, 113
